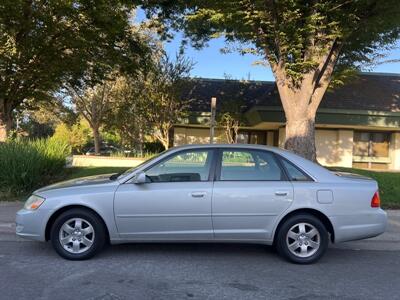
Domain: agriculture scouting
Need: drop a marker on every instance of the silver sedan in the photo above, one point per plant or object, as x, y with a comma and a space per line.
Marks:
208, 193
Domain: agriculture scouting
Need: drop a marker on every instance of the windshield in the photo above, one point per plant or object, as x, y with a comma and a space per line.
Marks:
130, 170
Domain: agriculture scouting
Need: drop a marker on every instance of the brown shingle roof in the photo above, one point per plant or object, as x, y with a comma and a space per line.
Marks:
369, 91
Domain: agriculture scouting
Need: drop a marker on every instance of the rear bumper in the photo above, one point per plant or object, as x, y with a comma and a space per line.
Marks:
359, 226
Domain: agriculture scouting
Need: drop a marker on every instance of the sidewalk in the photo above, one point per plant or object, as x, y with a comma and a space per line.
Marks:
389, 241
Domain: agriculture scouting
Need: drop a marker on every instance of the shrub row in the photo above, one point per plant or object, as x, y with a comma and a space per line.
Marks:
27, 164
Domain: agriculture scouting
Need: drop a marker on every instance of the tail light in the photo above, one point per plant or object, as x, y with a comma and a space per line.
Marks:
376, 201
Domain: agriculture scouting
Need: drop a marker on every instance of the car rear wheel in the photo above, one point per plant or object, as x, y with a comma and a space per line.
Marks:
78, 234
302, 239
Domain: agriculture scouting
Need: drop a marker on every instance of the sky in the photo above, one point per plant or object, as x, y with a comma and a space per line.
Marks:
211, 63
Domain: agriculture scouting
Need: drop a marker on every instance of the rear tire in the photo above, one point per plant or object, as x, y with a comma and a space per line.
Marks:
78, 234
302, 239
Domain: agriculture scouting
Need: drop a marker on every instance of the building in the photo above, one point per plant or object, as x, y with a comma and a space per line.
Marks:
357, 125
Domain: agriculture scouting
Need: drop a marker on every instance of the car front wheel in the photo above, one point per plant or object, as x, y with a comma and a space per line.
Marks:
78, 234
302, 239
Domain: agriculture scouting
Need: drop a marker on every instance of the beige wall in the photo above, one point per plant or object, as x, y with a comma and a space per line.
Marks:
334, 147
282, 136
183, 136
395, 151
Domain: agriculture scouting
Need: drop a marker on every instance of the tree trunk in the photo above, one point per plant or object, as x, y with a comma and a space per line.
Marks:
300, 104
97, 139
5, 122
301, 99
300, 135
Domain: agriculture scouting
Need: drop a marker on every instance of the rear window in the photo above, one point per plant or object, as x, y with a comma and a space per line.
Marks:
294, 173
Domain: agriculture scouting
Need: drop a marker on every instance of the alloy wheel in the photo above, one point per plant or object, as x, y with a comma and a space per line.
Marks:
76, 235
303, 240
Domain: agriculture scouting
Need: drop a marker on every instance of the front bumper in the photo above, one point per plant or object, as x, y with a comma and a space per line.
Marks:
31, 224
364, 225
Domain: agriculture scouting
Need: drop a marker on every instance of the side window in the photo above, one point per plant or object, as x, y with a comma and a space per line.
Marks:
294, 173
247, 165
184, 166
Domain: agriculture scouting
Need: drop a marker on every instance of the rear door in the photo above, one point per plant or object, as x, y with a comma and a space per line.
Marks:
251, 190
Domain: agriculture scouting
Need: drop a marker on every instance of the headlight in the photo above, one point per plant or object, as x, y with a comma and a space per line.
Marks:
33, 202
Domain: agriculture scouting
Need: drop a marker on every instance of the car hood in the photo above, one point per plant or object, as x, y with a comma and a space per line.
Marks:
79, 182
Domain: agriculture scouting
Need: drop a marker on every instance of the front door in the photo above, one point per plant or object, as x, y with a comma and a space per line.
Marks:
250, 192
174, 204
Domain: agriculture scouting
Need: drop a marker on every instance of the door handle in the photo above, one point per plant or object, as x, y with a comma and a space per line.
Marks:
281, 193
198, 194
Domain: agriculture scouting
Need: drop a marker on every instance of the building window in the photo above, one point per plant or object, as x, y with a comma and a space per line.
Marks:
371, 144
251, 137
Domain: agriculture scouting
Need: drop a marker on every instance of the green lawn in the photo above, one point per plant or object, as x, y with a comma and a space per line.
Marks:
389, 185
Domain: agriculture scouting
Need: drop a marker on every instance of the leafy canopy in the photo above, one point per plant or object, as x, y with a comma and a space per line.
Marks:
44, 44
291, 34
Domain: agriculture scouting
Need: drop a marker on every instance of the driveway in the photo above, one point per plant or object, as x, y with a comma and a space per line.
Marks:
368, 269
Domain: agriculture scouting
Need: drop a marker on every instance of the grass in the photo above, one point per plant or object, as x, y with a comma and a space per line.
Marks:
389, 185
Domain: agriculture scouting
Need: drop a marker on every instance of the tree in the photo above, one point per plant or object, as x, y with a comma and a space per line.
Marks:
126, 114
303, 42
161, 92
232, 104
77, 135
93, 104
44, 44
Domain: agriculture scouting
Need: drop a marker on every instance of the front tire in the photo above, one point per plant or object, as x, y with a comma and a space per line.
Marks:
78, 234
302, 239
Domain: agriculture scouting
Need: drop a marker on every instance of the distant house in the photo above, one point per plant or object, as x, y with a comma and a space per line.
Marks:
357, 125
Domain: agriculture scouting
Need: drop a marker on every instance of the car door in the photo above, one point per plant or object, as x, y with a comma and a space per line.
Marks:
251, 190
175, 203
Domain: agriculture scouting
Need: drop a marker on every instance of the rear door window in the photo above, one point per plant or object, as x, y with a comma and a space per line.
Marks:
249, 165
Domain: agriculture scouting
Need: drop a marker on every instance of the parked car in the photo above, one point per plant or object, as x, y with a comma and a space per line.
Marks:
105, 150
208, 193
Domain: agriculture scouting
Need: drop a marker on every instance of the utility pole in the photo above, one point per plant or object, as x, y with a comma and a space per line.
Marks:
212, 120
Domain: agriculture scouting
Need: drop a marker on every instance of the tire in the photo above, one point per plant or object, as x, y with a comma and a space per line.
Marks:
78, 234
302, 239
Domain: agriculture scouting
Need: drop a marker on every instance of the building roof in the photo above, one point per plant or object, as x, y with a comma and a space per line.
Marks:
369, 91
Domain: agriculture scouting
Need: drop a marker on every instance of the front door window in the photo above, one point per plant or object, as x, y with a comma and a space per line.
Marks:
184, 166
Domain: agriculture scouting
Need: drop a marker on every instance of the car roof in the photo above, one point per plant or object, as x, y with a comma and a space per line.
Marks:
248, 146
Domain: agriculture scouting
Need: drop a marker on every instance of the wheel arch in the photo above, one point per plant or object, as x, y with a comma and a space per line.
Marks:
63, 209
316, 213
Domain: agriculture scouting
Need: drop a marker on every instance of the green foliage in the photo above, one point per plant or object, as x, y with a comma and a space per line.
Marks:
76, 136
28, 164
292, 34
150, 103
45, 44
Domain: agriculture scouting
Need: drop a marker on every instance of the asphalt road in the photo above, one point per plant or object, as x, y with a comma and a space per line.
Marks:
367, 269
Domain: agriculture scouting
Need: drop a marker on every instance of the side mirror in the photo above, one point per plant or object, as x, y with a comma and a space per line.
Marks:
140, 178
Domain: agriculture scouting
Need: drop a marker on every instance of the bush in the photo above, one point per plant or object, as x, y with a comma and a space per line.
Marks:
28, 164
78, 136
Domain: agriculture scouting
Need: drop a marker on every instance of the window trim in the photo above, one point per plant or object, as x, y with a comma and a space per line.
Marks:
213, 152
244, 149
